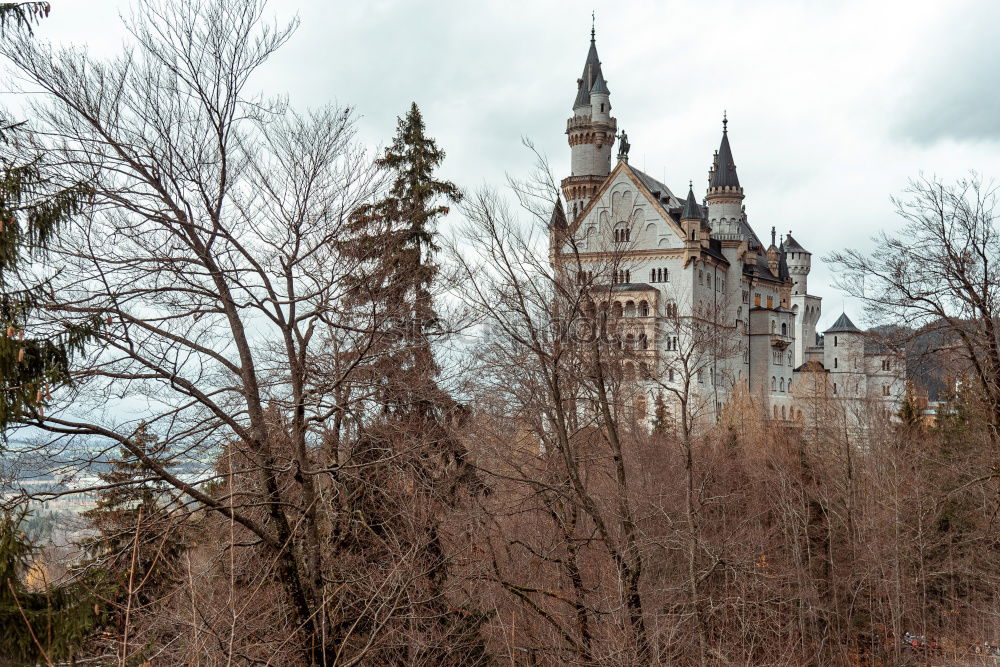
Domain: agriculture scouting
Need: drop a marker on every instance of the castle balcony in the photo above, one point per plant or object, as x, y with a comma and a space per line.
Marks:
779, 341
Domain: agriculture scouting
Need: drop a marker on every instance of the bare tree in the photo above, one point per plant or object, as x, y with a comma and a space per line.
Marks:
939, 271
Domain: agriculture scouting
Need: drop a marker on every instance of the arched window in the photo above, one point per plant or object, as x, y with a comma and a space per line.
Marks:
616, 310
775, 411
783, 412
774, 383
781, 384
621, 233
652, 275
784, 329
643, 343
789, 385
772, 326
692, 234
629, 309
643, 309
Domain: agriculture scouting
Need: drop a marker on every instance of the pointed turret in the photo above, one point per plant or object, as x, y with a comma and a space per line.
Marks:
843, 325
591, 132
725, 196
724, 170
558, 219
591, 72
692, 209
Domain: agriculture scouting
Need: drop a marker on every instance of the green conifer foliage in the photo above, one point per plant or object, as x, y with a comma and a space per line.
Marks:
138, 543
393, 241
31, 212
38, 624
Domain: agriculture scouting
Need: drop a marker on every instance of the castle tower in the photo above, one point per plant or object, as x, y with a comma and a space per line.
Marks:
807, 308
725, 196
844, 358
591, 133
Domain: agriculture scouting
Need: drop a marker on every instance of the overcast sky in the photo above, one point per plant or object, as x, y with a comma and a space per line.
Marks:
832, 105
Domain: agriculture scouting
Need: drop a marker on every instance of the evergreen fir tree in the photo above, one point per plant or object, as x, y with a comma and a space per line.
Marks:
39, 625
31, 211
393, 241
137, 542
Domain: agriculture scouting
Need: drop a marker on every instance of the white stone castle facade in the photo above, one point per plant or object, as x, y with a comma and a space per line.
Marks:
706, 307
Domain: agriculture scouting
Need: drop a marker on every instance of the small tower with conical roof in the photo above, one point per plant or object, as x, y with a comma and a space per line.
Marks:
807, 307
725, 196
591, 132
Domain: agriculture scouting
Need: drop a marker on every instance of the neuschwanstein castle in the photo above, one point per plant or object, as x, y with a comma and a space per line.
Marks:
656, 262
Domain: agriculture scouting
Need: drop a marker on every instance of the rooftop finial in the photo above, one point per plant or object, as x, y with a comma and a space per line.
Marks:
773, 234
593, 25
725, 121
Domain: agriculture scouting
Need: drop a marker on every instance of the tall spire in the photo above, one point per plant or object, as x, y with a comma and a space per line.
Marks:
724, 172
691, 210
591, 73
593, 26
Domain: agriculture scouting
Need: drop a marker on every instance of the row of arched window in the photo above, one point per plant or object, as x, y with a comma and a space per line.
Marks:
778, 384
622, 277
785, 414
630, 309
659, 275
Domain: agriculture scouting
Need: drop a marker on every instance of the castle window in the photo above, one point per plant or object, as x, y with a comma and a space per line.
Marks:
789, 358
670, 377
781, 384
885, 364
643, 309
789, 385
775, 411
835, 387
622, 233
701, 277
602, 107
692, 234
770, 302
701, 375
772, 326
835, 341
746, 296
643, 342
774, 383
783, 412
756, 299
652, 276
784, 329
835, 362
629, 309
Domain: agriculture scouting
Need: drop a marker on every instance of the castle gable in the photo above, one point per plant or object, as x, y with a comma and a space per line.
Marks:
630, 211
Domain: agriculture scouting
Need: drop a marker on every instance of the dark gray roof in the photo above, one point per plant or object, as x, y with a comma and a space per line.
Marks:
692, 209
748, 233
591, 72
783, 264
724, 169
791, 245
558, 219
666, 198
600, 85
760, 269
843, 325
625, 287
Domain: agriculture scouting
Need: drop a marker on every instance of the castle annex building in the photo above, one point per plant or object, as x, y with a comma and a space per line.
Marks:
693, 291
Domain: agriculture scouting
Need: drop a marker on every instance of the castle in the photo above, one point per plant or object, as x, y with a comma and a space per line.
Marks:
705, 307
